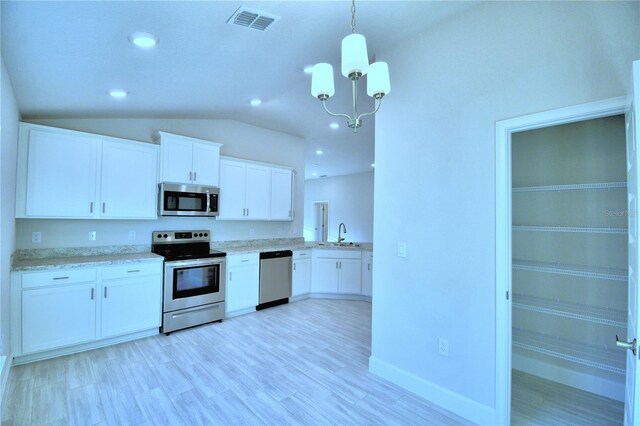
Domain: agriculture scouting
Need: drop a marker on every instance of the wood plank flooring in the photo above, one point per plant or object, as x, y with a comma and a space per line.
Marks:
536, 401
301, 363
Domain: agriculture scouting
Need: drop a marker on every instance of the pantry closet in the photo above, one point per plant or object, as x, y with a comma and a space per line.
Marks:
569, 247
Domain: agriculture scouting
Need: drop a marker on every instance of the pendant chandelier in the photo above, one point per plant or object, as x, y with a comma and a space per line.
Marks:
355, 64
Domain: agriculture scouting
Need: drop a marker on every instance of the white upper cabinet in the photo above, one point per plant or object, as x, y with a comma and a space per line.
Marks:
60, 176
75, 175
257, 194
189, 160
281, 191
129, 178
247, 190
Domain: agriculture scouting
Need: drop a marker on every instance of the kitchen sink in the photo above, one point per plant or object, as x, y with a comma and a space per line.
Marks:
338, 245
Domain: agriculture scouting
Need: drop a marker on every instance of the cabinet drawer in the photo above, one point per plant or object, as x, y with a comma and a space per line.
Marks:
131, 270
302, 254
234, 260
337, 254
58, 277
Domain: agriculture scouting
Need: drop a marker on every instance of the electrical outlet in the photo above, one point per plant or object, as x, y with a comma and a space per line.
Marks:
36, 237
132, 235
443, 346
92, 235
252, 232
402, 249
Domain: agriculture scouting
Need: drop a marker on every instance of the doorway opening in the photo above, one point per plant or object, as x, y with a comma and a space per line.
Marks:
321, 221
569, 272
561, 265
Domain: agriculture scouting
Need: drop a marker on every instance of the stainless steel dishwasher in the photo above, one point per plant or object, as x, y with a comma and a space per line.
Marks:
275, 278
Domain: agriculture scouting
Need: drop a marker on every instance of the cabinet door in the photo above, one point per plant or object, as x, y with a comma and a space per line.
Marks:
130, 305
61, 175
281, 182
232, 190
367, 274
350, 276
301, 277
243, 284
177, 160
257, 192
325, 275
129, 180
54, 317
206, 164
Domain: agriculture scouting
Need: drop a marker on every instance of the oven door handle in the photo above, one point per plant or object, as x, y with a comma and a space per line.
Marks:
194, 262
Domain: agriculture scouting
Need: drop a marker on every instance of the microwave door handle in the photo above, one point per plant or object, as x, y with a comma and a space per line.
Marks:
208, 202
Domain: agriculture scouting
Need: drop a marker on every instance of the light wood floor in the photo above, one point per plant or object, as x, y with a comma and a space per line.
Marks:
302, 363
536, 401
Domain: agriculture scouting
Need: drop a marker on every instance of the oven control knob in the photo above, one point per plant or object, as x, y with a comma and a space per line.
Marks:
206, 235
200, 234
159, 235
165, 235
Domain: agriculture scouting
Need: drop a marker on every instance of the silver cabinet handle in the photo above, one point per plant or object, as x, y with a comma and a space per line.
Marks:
133, 271
247, 211
303, 254
336, 265
105, 292
191, 176
244, 260
60, 278
230, 276
91, 207
104, 207
632, 346
92, 293
294, 266
368, 266
195, 176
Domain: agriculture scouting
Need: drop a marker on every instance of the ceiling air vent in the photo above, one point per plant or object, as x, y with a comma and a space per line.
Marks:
250, 18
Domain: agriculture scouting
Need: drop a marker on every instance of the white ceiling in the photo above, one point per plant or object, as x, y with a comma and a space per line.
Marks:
63, 57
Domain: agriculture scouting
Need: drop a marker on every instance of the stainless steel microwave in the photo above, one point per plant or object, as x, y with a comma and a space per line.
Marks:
187, 200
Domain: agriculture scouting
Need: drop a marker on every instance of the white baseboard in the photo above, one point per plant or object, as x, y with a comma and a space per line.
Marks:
240, 312
445, 398
586, 382
5, 367
337, 296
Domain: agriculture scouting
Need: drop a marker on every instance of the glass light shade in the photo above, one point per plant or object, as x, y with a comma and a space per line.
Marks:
322, 80
354, 55
378, 79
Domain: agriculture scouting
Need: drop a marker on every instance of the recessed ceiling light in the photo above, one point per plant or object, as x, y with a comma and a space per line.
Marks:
256, 102
117, 93
314, 174
334, 125
319, 152
144, 40
308, 69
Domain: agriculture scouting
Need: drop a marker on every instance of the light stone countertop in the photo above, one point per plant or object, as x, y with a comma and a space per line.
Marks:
81, 257
53, 263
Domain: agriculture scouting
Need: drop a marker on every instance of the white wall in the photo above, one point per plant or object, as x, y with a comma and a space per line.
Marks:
8, 154
435, 168
239, 139
350, 199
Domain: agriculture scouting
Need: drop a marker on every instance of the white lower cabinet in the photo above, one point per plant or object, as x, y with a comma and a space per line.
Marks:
336, 271
367, 273
301, 273
243, 282
53, 317
66, 307
131, 299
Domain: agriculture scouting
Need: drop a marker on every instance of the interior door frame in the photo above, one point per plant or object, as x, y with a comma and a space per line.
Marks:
504, 130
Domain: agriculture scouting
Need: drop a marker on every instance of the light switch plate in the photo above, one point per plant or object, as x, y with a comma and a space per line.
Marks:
92, 235
36, 237
132, 235
402, 249
443, 346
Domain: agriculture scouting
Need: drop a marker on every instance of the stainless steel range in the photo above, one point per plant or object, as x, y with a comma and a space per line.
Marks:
194, 279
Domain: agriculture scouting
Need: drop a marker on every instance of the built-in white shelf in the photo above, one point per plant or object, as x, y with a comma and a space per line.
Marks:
595, 314
607, 358
575, 187
612, 274
570, 229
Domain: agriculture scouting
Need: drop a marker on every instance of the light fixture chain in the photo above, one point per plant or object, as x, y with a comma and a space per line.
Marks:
353, 16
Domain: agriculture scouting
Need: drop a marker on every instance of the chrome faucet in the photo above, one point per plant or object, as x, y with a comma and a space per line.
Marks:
340, 228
